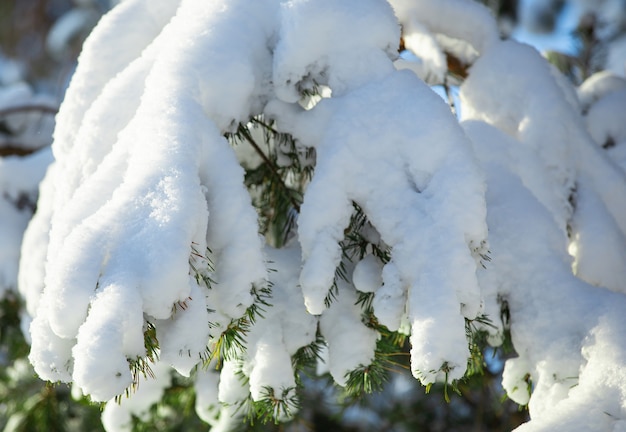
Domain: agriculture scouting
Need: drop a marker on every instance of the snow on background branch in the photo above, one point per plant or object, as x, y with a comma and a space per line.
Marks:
145, 253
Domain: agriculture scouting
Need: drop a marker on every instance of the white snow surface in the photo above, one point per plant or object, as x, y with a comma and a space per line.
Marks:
367, 274
342, 326
284, 328
207, 405
468, 21
117, 416
545, 178
395, 158
132, 198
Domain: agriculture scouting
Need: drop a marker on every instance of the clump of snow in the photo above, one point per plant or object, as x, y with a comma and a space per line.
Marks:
285, 328
550, 193
111, 333
597, 401
27, 117
616, 57
597, 86
354, 40
598, 250
464, 21
232, 388
117, 416
421, 42
367, 275
27, 123
419, 153
208, 407
598, 246
183, 338
265, 369
606, 126
342, 326
123, 223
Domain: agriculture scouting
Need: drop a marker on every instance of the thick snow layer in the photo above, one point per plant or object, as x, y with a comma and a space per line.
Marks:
555, 134
117, 416
284, 328
367, 275
597, 86
520, 116
465, 20
129, 202
143, 180
341, 325
403, 164
551, 311
207, 405
551, 192
353, 40
183, 337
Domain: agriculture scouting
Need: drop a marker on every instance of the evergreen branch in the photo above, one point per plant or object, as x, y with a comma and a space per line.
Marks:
202, 275
272, 167
480, 253
276, 190
277, 408
231, 342
308, 355
332, 294
356, 245
366, 379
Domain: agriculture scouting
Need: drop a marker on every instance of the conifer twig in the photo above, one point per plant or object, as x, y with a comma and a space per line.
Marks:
270, 164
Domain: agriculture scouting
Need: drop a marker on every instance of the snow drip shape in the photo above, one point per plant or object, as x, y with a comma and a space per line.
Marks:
145, 194
553, 195
141, 166
550, 187
386, 142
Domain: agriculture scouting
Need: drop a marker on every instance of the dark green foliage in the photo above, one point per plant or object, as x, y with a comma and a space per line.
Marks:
276, 188
272, 407
356, 244
231, 342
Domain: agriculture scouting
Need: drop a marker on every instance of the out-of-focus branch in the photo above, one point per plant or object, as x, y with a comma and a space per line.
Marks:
46, 109
17, 150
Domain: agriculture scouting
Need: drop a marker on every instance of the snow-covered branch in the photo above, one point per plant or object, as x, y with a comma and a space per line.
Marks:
146, 249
